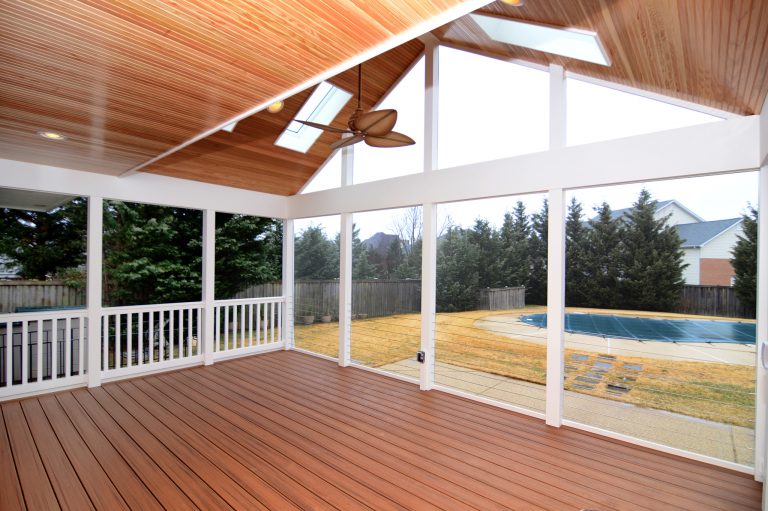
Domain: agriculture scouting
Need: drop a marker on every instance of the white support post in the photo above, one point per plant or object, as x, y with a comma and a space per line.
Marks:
345, 263
761, 386
288, 273
94, 278
555, 307
557, 107
429, 216
345, 290
209, 280
428, 295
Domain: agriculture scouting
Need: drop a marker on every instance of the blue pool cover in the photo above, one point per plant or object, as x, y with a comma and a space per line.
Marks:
648, 329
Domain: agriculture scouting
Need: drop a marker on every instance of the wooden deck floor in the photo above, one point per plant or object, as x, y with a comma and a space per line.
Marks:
290, 431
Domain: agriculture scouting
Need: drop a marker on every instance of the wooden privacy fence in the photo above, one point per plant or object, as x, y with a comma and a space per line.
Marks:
712, 301
371, 297
504, 298
31, 293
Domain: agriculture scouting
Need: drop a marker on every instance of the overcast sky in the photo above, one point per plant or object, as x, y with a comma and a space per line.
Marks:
484, 118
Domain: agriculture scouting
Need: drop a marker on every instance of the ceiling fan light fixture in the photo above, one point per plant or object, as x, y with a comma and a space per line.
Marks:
275, 107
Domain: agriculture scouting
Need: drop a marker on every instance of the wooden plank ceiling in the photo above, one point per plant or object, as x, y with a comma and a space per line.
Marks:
127, 81
710, 52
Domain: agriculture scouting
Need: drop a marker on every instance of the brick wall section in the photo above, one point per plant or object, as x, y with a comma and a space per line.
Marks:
715, 272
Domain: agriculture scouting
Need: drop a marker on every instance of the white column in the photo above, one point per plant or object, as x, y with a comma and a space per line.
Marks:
429, 216
761, 403
94, 280
345, 263
555, 307
209, 281
288, 273
428, 295
557, 107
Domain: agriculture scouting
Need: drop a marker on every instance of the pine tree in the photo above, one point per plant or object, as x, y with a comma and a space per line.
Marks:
457, 272
652, 259
536, 290
361, 265
315, 256
576, 249
745, 262
602, 261
486, 241
514, 237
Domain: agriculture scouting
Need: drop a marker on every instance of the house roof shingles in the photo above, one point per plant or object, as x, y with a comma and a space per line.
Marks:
697, 234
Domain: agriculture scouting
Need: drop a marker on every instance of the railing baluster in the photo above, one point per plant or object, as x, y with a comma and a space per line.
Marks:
161, 332
118, 341
81, 344
280, 321
242, 325
271, 321
171, 334
151, 337
39, 349
25, 357
8, 354
189, 332
250, 324
129, 339
226, 327
266, 323
54, 349
216, 328
140, 343
258, 324
68, 347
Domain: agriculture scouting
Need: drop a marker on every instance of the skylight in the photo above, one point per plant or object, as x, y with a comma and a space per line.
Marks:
322, 107
568, 42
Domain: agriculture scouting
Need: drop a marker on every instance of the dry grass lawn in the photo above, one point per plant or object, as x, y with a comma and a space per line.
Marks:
718, 392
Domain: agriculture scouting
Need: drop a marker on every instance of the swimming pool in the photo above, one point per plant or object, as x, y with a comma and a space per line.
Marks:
649, 329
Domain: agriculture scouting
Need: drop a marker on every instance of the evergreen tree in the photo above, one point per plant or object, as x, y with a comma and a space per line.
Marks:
576, 250
361, 264
393, 260
603, 262
315, 256
536, 290
40, 244
152, 254
411, 265
486, 241
745, 262
652, 259
457, 272
249, 250
515, 267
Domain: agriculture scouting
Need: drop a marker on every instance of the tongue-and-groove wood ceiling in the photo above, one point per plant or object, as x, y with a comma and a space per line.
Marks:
126, 81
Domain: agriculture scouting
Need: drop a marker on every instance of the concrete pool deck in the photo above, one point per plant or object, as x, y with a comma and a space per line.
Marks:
509, 325
722, 441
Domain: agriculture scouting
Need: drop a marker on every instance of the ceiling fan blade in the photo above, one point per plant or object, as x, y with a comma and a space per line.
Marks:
394, 139
377, 123
324, 127
344, 142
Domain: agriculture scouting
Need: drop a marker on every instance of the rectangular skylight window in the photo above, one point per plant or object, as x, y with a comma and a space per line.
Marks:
568, 42
322, 107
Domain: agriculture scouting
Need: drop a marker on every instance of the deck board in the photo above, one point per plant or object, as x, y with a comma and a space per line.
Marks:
285, 430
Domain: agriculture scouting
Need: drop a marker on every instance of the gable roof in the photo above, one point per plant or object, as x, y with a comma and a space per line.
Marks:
700, 233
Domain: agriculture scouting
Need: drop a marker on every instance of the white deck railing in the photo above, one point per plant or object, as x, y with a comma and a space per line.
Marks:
143, 338
42, 351
247, 325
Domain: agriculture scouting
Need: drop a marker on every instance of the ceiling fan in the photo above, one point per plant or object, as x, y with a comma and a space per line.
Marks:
374, 127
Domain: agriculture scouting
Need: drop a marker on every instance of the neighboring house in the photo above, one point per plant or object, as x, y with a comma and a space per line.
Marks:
707, 244
8, 270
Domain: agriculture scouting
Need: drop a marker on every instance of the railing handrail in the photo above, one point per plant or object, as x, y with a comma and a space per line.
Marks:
27, 316
152, 307
237, 301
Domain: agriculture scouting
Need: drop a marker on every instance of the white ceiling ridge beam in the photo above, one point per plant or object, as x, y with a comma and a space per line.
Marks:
713, 148
145, 188
403, 37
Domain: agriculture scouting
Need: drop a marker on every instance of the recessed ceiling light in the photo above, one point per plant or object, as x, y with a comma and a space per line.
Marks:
514, 3
275, 107
51, 135
568, 42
